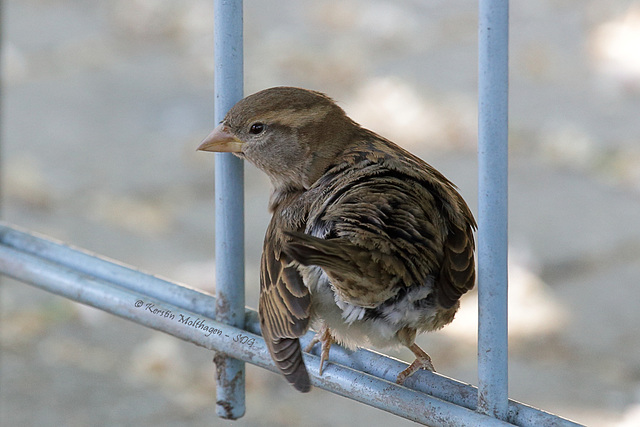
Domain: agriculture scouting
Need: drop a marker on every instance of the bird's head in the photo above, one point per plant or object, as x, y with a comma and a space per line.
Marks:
294, 135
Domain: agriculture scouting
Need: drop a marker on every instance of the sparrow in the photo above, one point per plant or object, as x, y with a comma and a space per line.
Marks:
368, 245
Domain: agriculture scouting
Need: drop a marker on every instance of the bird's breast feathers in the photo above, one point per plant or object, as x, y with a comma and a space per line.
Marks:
355, 326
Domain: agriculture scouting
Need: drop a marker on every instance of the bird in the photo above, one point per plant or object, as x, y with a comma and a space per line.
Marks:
368, 245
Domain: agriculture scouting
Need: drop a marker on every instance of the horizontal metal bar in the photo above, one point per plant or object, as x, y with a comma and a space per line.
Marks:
200, 304
107, 269
232, 341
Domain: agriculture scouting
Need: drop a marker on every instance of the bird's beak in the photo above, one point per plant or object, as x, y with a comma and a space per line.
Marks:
221, 140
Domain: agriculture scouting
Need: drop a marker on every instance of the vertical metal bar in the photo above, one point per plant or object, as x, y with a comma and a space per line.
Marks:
493, 87
229, 210
1, 100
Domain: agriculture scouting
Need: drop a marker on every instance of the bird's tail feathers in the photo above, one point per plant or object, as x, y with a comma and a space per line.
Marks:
287, 354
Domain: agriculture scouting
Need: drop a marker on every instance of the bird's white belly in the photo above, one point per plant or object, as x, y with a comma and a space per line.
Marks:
348, 324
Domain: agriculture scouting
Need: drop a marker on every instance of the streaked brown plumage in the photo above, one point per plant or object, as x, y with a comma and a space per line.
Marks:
367, 244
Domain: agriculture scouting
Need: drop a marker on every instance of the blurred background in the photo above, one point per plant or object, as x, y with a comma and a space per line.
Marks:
104, 104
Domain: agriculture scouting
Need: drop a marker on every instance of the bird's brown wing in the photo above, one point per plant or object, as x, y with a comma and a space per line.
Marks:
283, 309
375, 234
382, 227
458, 272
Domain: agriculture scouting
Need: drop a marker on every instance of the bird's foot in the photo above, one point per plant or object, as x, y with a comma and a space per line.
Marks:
423, 361
324, 337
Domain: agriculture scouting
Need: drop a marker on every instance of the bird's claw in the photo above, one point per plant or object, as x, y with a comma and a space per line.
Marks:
324, 337
423, 361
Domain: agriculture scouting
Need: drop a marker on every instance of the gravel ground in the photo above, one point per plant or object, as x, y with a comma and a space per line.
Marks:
104, 104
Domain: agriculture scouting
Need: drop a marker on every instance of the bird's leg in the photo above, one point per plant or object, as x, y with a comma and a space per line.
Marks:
423, 361
324, 337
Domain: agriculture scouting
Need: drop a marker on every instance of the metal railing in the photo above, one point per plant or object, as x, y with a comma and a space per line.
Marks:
223, 324
365, 376
493, 89
229, 206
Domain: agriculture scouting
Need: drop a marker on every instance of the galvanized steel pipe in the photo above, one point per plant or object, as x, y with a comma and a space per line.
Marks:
23, 255
493, 86
229, 207
234, 342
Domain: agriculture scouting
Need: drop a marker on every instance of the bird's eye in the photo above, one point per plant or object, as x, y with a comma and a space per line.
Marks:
257, 128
